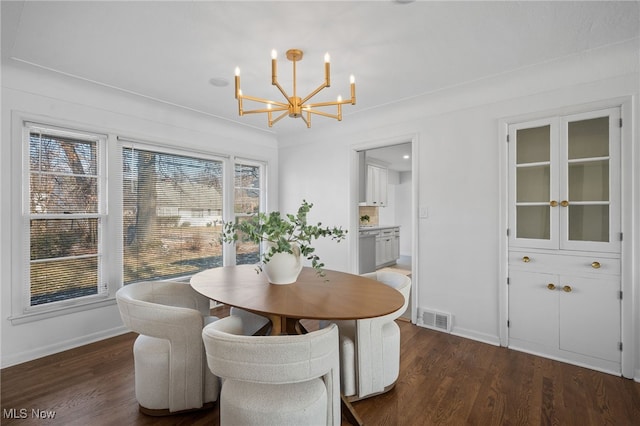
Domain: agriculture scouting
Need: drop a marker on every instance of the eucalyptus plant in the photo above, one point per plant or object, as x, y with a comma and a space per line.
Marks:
284, 233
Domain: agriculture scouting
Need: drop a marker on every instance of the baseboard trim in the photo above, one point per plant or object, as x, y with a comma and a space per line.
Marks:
26, 356
474, 335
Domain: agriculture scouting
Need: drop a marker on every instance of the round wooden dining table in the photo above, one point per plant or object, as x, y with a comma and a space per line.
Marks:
336, 296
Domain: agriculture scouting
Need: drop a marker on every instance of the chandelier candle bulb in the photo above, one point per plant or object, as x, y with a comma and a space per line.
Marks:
352, 80
274, 57
327, 69
237, 78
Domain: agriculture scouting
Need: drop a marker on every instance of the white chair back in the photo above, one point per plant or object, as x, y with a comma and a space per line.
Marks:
275, 360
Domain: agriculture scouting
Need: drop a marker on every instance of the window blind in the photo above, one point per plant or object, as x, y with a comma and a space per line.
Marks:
172, 214
64, 216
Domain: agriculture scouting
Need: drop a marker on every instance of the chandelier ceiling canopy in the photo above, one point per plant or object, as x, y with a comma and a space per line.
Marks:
294, 106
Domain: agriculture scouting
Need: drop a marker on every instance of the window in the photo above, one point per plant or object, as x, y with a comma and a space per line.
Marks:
171, 214
64, 210
248, 200
166, 215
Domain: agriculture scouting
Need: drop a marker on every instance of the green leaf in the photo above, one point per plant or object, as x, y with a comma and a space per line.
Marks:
282, 232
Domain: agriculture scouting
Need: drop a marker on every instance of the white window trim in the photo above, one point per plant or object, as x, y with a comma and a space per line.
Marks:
21, 309
229, 252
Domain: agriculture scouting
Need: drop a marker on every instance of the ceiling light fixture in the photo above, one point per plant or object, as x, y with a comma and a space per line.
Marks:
295, 107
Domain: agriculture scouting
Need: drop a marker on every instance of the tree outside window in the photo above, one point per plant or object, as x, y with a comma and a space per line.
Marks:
64, 217
172, 214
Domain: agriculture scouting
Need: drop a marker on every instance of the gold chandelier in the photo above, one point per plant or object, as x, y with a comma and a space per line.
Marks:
295, 106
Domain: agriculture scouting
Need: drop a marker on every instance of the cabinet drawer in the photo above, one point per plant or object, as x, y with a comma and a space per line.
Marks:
563, 263
389, 232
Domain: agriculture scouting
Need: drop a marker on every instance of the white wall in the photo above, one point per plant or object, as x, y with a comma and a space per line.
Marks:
458, 176
38, 93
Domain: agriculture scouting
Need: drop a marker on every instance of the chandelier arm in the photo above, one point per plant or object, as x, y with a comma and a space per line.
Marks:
326, 104
315, 92
324, 114
307, 120
351, 101
265, 101
258, 111
278, 118
284, 93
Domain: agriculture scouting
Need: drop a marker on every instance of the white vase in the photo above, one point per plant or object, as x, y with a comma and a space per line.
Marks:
283, 268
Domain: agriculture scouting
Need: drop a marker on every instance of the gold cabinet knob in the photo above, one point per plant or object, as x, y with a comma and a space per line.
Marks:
595, 265
553, 203
551, 286
526, 259
564, 203
567, 289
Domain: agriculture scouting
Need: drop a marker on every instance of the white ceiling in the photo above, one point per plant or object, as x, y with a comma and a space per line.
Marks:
169, 51
396, 157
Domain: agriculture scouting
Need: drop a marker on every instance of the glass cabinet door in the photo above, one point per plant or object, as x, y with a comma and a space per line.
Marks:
589, 205
564, 182
532, 188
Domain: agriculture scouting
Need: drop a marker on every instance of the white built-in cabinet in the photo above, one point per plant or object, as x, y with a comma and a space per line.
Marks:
564, 238
387, 246
377, 181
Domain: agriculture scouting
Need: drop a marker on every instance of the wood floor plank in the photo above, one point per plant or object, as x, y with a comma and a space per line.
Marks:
444, 380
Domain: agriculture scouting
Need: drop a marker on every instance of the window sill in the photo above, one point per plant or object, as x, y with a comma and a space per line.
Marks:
52, 312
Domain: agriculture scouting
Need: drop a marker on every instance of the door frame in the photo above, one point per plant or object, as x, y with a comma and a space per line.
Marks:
354, 222
629, 210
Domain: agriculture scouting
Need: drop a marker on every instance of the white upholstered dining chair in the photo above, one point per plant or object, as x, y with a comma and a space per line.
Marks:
274, 380
370, 348
171, 375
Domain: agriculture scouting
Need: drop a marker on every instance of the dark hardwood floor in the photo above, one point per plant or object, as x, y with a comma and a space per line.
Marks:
444, 380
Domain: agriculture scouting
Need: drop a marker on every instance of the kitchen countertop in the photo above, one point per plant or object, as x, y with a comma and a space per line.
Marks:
377, 227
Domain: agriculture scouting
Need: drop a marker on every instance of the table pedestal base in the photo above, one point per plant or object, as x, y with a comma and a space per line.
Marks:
349, 412
281, 325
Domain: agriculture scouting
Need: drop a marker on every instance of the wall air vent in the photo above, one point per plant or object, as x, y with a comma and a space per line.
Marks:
434, 320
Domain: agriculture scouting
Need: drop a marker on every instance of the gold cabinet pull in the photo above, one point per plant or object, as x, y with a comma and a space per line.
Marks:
553, 203
595, 265
551, 286
567, 289
526, 259
564, 203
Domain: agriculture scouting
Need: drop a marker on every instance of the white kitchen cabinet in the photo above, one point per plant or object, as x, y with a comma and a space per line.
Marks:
564, 238
377, 181
387, 246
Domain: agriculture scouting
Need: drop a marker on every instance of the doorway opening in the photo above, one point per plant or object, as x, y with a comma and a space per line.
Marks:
386, 223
